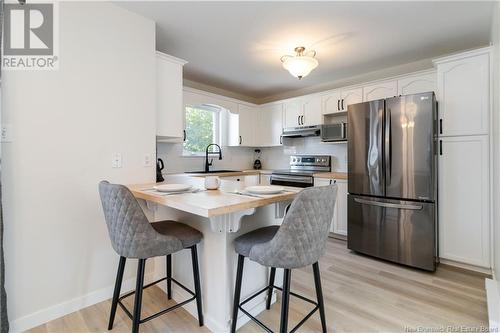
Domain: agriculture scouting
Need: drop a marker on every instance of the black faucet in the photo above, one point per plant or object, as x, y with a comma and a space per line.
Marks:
208, 164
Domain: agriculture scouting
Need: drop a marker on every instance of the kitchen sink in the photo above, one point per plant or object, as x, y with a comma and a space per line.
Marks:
213, 171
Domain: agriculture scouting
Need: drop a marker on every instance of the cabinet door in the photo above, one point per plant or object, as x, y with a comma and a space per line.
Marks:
351, 96
380, 90
293, 113
169, 106
417, 84
265, 179
464, 200
331, 102
463, 96
340, 223
247, 122
270, 126
312, 110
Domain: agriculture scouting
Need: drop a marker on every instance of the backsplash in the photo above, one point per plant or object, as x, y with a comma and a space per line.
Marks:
278, 157
241, 158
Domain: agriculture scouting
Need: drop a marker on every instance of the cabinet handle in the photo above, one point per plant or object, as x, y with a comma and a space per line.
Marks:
184, 135
330, 182
441, 126
240, 139
342, 104
338, 105
298, 120
281, 139
302, 119
440, 147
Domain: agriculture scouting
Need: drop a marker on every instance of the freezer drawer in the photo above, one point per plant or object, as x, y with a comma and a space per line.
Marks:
399, 231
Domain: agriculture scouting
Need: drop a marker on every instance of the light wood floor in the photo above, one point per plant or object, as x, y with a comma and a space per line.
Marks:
361, 295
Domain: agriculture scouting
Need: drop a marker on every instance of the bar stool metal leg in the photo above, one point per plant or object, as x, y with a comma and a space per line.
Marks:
319, 295
285, 300
197, 286
237, 292
138, 296
169, 276
116, 293
271, 285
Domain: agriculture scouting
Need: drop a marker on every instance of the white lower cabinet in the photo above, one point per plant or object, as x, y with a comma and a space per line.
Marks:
238, 183
339, 223
464, 200
265, 179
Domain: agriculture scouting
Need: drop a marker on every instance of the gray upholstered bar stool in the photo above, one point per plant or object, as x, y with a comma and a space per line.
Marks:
133, 236
300, 241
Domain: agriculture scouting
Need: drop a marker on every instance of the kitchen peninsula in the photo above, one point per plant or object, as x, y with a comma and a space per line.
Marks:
221, 215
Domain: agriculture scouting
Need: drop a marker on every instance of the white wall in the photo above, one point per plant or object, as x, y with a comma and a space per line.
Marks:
495, 37
67, 124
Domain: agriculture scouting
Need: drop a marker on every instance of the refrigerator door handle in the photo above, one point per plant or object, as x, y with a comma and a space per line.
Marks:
388, 204
388, 146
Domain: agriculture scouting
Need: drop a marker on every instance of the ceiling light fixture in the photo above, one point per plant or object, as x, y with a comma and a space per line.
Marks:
301, 64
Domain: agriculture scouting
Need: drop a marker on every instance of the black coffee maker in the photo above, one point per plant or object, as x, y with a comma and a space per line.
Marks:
159, 167
257, 165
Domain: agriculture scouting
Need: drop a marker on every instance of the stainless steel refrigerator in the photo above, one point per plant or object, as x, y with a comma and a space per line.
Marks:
392, 179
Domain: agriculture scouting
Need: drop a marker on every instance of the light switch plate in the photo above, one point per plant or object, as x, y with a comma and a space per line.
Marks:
116, 160
148, 160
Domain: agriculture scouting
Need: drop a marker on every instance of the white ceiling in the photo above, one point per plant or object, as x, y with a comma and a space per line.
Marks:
236, 46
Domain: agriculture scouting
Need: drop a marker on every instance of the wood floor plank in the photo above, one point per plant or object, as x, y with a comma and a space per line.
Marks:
362, 294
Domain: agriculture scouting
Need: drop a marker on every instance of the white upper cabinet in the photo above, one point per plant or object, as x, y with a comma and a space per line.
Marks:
350, 96
270, 127
331, 102
464, 221
380, 90
311, 107
294, 113
303, 111
417, 84
169, 106
248, 118
338, 100
463, 94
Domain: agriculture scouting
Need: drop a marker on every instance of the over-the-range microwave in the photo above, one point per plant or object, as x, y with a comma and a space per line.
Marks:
334, 132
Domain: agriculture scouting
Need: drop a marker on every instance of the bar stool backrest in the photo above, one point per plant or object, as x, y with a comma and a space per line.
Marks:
301, 239
130, 232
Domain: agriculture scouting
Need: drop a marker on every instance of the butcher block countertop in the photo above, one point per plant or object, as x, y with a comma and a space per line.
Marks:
331, 175
209, 203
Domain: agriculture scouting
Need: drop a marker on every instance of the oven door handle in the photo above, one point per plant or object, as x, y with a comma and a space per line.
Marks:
296, 179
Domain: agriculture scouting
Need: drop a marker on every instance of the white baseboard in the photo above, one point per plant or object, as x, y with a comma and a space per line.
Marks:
493, 299
473, 268
59, 310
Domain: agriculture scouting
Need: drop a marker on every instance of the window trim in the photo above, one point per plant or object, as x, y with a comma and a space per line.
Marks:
216, 110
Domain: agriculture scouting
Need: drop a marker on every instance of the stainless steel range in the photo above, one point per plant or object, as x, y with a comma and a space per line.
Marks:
302, 169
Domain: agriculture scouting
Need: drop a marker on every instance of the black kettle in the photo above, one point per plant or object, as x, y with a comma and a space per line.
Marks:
159, 166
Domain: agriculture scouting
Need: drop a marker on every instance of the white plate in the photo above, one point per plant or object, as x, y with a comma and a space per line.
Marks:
172, 187
265, 189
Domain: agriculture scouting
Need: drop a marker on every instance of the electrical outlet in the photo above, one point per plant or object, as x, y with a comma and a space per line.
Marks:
148, 161
116, 161
6, 133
